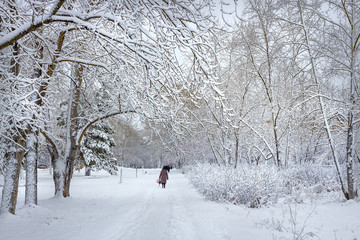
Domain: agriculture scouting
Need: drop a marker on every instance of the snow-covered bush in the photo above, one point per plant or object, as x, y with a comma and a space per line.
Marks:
309, 179
250, 185
256, 186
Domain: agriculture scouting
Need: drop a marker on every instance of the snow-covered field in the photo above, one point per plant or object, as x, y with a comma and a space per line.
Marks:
101, 208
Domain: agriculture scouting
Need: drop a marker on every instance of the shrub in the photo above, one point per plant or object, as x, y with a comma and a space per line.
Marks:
256, 186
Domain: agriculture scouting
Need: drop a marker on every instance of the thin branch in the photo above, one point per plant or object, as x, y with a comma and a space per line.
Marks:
82, 133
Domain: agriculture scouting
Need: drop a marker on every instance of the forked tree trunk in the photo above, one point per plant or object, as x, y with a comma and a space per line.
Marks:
70, 161
268, 83
72, 148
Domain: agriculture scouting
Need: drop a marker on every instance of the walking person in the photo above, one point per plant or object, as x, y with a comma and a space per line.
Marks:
167, 167
163, 177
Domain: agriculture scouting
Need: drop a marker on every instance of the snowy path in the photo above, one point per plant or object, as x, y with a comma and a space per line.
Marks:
177, 212
138, 209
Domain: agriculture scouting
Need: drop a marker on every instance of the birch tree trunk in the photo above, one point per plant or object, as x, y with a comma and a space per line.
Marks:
352, 191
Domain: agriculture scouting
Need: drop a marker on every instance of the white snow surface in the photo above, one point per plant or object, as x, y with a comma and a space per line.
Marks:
102, 208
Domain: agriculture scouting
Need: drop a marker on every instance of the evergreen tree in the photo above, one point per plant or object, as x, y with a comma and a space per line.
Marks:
96, 149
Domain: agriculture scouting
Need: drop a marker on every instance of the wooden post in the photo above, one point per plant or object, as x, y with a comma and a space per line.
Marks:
121, 175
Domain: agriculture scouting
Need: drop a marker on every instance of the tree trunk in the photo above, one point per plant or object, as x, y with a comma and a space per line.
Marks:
352, 191
72, 146
32, 156
31, 169
268, 83
11, 184
87, 171
321, 102
236, 149
70, 161
58, 174
15, 153
277, 145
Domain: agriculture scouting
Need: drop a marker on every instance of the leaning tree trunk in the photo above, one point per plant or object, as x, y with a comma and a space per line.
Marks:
58, 173
321, 102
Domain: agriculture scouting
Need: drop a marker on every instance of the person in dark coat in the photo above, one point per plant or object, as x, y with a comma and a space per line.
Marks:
163, 177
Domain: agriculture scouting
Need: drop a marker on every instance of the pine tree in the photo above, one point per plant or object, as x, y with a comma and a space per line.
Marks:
96, 149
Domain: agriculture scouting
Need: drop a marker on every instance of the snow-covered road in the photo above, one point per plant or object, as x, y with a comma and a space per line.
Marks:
100, 208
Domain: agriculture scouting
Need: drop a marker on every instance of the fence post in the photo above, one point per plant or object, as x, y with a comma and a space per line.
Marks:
121, 175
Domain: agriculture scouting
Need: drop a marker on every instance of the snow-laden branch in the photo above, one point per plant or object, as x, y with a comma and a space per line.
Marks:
82, 132
144, 52
84, 61
37, 22
259, 135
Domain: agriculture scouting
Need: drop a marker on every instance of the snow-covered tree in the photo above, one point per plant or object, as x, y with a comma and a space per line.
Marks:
134, 47
287, 74
342, 49
96, 148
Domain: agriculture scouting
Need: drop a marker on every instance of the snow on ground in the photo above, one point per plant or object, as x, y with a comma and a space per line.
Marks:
101, 208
